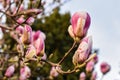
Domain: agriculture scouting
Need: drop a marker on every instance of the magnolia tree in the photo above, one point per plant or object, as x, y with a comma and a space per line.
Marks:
17, 17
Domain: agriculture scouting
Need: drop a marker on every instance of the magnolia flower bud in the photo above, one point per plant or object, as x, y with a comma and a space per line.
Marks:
7, 2
20, 30
38, 42
83, 50
104, 67
10, 70
70, 30
30, 20
95, 59
80, 23
25, 73
31, 52
21, 20
44, 57
21, 7
27, 34
94, 76
82, 76
53, 72
90, 66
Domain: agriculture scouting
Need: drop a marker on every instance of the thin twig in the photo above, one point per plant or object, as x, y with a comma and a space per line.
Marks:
67, 53
102, 77
39, 4
5, 27
21, 1
51, 63
76, 68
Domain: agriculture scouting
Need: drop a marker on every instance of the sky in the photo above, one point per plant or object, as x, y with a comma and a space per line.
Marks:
105, 30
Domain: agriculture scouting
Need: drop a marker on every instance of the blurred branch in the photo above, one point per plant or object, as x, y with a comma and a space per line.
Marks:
76, 68
5, 27
20, 2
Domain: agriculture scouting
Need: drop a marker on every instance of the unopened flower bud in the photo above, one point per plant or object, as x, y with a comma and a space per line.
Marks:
10, 71
82, 76
30, 20
31, 52
104, 67
80, 23
27, 34
25, 73
94, 76
53, 72
21, 20
21, 7
90, 66
70, 30
44, 57
83, 50
95, 59
20, 30
38, 42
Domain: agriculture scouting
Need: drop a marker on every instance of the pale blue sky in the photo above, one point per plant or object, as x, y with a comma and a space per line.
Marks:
105, 29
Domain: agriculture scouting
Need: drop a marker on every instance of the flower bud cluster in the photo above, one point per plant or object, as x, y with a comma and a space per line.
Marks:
34, 41
34, 47
78, 30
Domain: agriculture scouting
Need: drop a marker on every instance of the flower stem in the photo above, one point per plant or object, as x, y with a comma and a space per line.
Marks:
102, 77
67, 53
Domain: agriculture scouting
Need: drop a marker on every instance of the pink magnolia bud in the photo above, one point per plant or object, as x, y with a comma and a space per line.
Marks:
38, 42
30, 20
80, 23
10, 70
70, 30
82, 76
31, 52
13, 10
25, 73
95, 59
94, 76
20, 30
1, 1
44, 57
90, 66
104, 67
83, 50
21, 7
53, 72
27, 34
8, 2
21, 20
